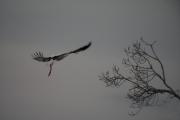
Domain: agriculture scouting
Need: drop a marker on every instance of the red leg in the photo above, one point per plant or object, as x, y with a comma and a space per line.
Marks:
50, 68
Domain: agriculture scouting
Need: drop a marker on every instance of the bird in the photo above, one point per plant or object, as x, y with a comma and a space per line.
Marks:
38, 56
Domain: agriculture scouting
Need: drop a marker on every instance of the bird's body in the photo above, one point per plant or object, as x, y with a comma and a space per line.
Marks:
38, 56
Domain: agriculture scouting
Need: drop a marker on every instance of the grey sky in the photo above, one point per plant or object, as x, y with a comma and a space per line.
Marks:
74, 91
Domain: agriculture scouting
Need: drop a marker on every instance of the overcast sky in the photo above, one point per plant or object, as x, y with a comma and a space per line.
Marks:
73, 92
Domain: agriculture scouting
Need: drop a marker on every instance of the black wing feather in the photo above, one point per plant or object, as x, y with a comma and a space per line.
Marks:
39, 57
81, 48
60, 57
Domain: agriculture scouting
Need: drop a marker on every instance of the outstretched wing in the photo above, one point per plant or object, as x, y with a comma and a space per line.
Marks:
39, 57
60, 57
81, 48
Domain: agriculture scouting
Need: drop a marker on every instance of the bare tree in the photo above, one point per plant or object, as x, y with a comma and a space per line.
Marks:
145, 68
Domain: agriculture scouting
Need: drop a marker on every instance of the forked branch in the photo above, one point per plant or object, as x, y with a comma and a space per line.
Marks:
141, 60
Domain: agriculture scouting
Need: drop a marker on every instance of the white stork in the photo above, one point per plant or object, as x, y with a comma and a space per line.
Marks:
38, 56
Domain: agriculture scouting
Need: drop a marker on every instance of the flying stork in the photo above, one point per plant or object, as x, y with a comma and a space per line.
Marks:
38, 56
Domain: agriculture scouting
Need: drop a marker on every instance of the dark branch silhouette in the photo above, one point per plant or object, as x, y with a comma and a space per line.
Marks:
38, 56
142, 64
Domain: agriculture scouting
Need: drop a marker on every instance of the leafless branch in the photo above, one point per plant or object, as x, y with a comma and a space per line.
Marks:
141, 74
